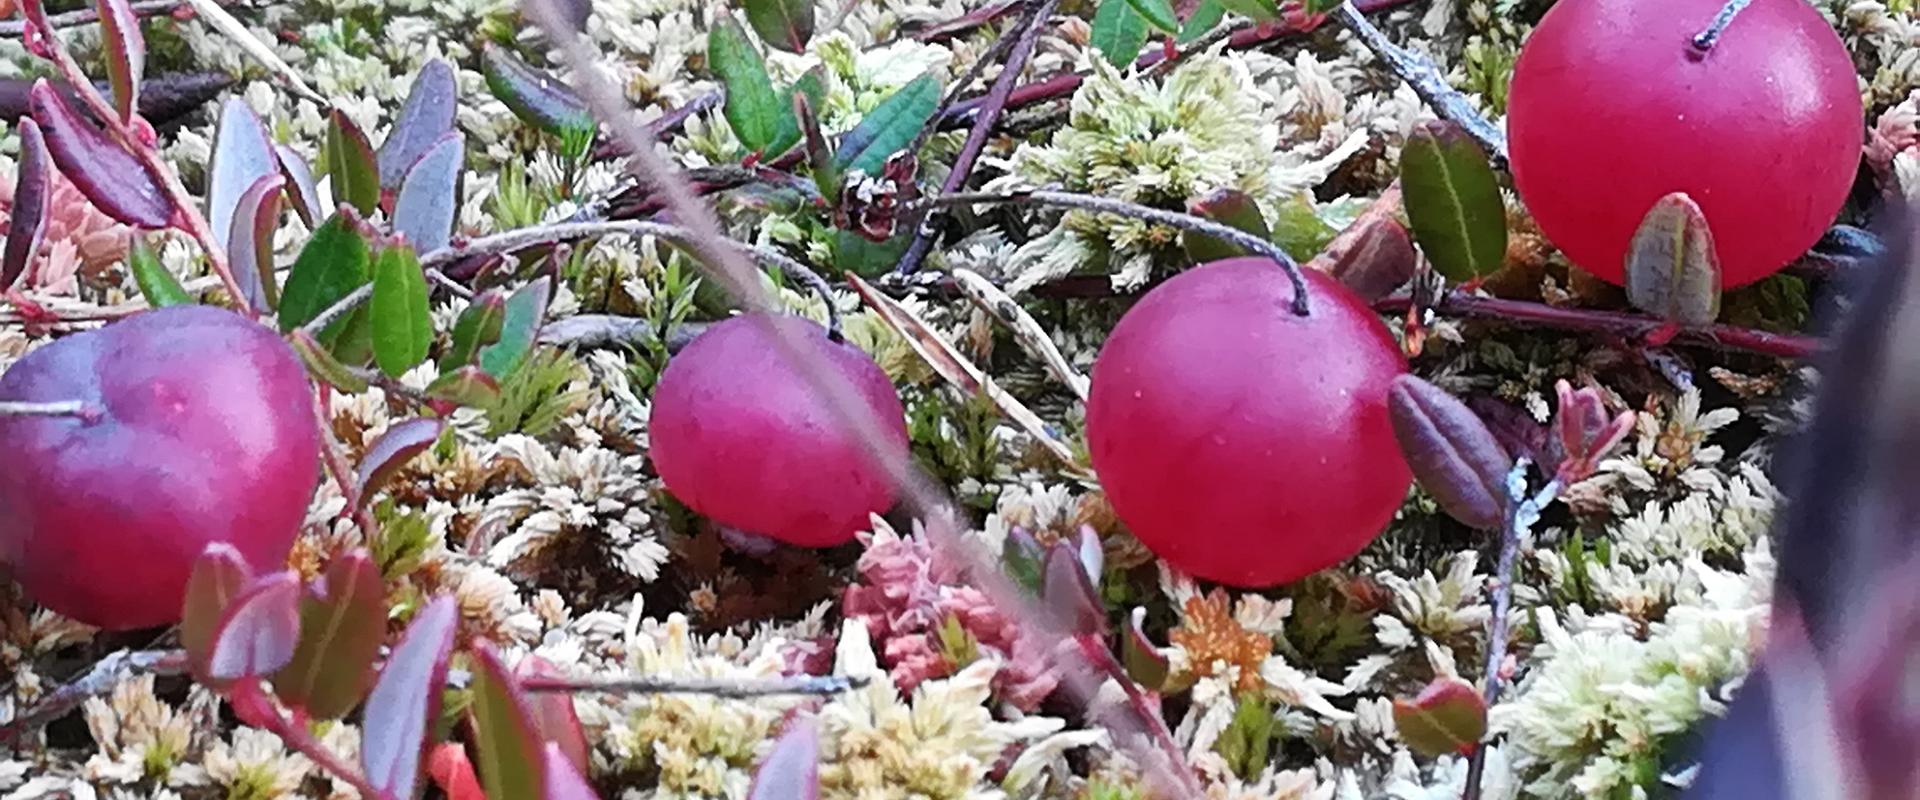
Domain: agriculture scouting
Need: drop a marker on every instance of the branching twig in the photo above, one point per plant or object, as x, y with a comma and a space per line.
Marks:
1522, 512
1426, 80
713, 687
1172, 219
1625, 325
99, 680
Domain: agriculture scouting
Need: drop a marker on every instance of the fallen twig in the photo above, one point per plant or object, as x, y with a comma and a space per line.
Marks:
1426, 80
105, 674
1522, 512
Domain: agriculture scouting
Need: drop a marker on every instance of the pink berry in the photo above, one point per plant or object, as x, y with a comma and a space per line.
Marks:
205, 433
742, 437
1612, 107
1240, 442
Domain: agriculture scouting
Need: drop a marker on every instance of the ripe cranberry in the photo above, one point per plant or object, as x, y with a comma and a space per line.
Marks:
742, 437
204, 433
1612, 107
1243, 443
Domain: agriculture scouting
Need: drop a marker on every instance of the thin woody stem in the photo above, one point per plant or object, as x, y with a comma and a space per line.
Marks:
1710, 35
819, 685
1522, 512
58, 408
1426, 80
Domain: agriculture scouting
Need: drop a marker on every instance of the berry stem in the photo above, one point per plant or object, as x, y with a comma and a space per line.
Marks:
1103, 205
817, 685
1427, 81
86, 411
1704, 41
1522, 512
105, 674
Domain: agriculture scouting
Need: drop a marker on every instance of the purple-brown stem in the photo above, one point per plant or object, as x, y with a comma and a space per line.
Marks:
1522, 512
340, 470
105, 674
1095, 650
816, 685
1624, 325
298, 738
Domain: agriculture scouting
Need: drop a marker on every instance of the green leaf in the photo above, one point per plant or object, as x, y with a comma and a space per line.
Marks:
477, 327
890, 127
1158, 13
156, 283
1256, 10
466, 386
525, 311
1448, 717
1145, 664
511, 756
1453, 201
1299, 229
321, 364
334, 262
402, 324
1118, 32
812, 86
340, 633
1248, 739
1230, 207
786, 24
349, 161
756, 113
1201, 21
1672, 267
860, 255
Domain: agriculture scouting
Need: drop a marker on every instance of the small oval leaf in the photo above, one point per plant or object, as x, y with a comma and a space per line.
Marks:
300, 184
1375, 257
1450, 451
519, 330
1672, 267
340, 633
890, 127
32, 194
157, 283
243, 154
219, 574
791, 770
537, 98
333, 263
402, 323
429, 197
450, 770
1158, 13
754, 110
1453, 201
101, 169
405, 701
1230, 207
1118, 32
401, 442
786, 24
322, 365
1448, 717
426, 117
511, 755
250, 241
478, 326
350, 166
126, 54
259, 629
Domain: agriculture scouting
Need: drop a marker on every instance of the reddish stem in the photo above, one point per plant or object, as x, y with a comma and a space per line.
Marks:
1625, 325
295, 734
1144, 708
966, 23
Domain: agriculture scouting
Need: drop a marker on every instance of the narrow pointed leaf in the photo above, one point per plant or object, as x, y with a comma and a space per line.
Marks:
156, 282
1201, 21
826, 173
466, 386
340, 633
250, 242
1453, 201
511, 755
401, 442
350, 165
478, 326
219, 574
791, 770
810, 89
333, 263
1230, 207
243, 154
1158, 13
565, 781
752, 108
405, 701
1118, 32
1450, 451
402, 323
430, 195
519, 330
102, 170
322, 365
1672, 268
300, 185
425, 118
32, 193
554, 716
258, 630
125, 52
537, 98
891, 126
786, 24
1145, 664
1448, 717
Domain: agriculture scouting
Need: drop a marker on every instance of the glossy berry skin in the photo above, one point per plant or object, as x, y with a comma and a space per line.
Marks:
743, 438
1611, 108
1242, 443
205, 434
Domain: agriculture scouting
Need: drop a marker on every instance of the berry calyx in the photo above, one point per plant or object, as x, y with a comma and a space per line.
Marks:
1614, 105
1243, 443
201, 431
742, 436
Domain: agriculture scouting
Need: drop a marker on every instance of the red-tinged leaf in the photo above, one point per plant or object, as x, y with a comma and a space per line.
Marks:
430, 195
478, 326
553, 713
537, 98
565, 781
250, 240
219, 574
1672, 267
32, 192
405, 701
791, 770
466, 386
1448, 717
1451, 452
390, 452
423, 120
259, 629
322, 365
511, 753
786, 24
1145, 664
350, 166
1375, 255
341, 628
243, 155
101, 169
1067, 591
300, 185
520, 329
450, 770
126, 54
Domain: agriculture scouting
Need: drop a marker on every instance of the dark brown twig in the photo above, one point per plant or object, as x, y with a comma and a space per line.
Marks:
1625, 325
105, 674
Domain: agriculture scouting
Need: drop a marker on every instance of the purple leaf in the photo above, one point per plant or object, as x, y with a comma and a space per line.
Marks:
791, 770
406, 699
534, 96
163, 98
554, 716
1067, 592
250, 241
126, 54
510, 751
259, 630
219, 574
393, 450
564, 781
1451, 452
32, 192
341, 629
350, 166
430, 196
101, 169
242, 155
427, 116
305, 193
